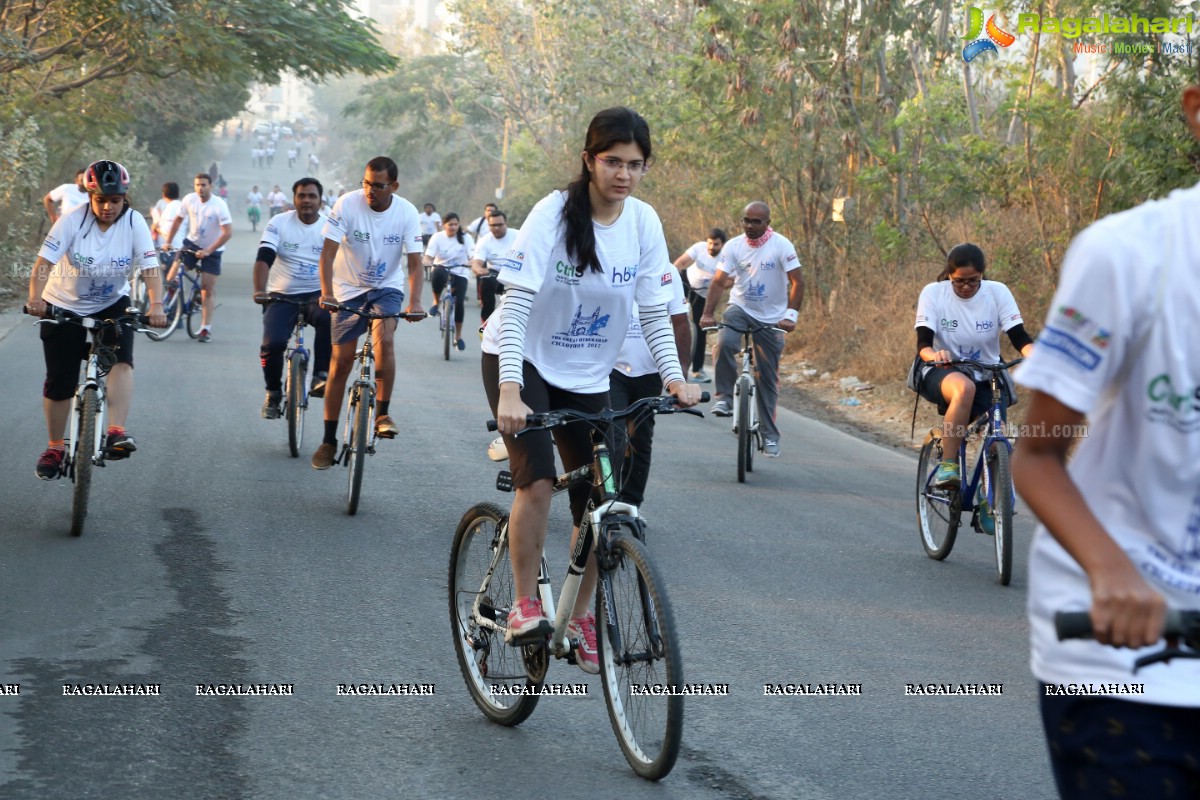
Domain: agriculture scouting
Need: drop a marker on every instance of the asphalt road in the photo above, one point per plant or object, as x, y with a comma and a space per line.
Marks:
213, 557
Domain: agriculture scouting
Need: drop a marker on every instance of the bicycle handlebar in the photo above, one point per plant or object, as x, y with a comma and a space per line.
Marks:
659, 404
760, 327
59, 316
279, 298
1078, 624
373, 315
970, 362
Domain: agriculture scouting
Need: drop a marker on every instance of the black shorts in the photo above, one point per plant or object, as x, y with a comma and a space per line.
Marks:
531, 457
65, 346
211, 264
931, 390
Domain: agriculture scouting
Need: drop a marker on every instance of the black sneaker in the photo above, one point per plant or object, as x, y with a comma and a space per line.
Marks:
433, 312
318, 385
270, 409
120, 445
49, 464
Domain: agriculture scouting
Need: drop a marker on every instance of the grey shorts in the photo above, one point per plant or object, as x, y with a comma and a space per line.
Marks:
348, 327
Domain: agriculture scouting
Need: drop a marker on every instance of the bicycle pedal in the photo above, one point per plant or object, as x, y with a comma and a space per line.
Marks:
504, 481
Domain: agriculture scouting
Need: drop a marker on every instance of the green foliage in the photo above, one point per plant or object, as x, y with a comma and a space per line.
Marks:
24, 158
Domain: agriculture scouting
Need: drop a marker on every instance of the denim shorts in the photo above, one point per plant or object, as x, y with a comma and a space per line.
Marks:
348, 327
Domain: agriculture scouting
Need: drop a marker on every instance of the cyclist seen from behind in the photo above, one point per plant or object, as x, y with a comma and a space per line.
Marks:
372, 248
1120, 533
700, 263
287, 264
209, 228
768, 289
449, 252
582, 259
83, 267
960, 315
491, 247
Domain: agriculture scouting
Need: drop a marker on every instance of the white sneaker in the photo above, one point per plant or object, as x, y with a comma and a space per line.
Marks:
771, 448
497, 451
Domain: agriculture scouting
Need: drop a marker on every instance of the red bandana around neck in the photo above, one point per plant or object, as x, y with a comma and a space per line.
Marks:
760, 241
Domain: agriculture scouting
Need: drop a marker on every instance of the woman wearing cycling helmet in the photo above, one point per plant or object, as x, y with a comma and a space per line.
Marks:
582, 259
83, 267
961, 315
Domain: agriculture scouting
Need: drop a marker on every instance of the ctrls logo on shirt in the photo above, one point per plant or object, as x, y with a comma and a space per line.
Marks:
976, 44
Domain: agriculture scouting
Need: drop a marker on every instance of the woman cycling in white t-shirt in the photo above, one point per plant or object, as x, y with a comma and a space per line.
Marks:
581, 260
961, 316
449, 252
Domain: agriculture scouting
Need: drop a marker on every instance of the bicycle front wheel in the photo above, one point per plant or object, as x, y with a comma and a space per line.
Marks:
937, 509
1000, 475
194, 312
360, 410
173, 308
483, 656
81, 458
640, 666
297, 400
447, 314
745, 436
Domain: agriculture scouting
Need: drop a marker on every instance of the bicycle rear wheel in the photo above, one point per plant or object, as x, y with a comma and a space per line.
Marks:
483, 656
640, 666
745, 436
297, 400
1000, 476
173, 308
356, 454
937, 509
447, 314
81, 459
194, 311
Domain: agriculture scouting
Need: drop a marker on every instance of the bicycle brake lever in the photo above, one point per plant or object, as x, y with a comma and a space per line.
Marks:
693, 411
1164, 656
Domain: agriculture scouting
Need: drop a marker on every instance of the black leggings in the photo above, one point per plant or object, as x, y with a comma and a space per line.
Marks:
699, 340
458, 286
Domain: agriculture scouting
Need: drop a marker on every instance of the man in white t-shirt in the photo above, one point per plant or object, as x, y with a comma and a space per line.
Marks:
372, 249
635, 376
63, 198
699, 264
172, 206
767, 291
479, 225
287, 265
209, 228
493, 246
276, 200
1120, 534
431, 222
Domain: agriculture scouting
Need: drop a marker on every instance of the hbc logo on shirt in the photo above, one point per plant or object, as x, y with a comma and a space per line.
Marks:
620, 276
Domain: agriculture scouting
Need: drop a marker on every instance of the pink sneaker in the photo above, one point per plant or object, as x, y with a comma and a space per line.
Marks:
526, 621
583, 631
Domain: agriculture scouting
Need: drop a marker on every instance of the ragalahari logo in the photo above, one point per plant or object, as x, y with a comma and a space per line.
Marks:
976, 44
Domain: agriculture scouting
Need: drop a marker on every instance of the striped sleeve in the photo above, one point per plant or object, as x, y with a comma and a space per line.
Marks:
517, 302
660, 338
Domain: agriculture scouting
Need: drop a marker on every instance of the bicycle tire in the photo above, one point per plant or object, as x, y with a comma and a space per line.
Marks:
1000, 474
937, 528
173, 310
194, 311
745, 436
81, 458
360, 409
296, 402
632, 607
483, 656
447, 325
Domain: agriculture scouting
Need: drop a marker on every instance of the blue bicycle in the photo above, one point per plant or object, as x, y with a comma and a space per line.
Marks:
184, 300
446, 311
988, 495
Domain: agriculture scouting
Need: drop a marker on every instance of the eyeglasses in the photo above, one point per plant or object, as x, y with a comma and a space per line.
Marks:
379, 187
966, 283
616, 164
752, 221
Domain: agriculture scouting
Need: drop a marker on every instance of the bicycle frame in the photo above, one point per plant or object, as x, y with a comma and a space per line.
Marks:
362, 390
296, 345
91, 380
747, 372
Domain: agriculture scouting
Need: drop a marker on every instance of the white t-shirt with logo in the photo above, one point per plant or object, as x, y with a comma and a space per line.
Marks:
700, 272
166, 219
760, 285
276, 200
579, 318
968, 328
373, 244
205, 219
68, 196
1138, 468
430, 223
635, 358
489, 249
447, 252
91, 267
297, 253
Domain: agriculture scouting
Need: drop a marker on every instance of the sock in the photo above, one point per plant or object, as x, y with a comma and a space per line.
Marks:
382, 407
57, 444
115, 430
331, 432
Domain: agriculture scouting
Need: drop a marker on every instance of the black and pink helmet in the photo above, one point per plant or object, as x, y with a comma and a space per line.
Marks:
106, 177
